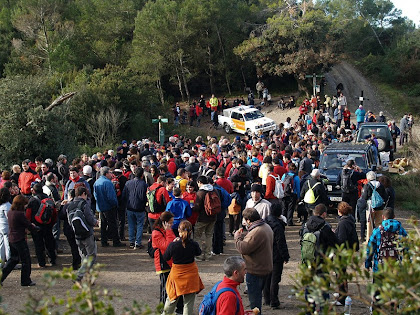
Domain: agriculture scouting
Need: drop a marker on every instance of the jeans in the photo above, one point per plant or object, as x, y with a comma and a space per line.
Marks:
255, 285
4, 248
109, 226
44, 239
204, 236
135, 226
271, 287
19, 251
87, 250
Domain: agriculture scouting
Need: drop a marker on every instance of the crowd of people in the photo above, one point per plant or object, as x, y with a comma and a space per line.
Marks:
182, 191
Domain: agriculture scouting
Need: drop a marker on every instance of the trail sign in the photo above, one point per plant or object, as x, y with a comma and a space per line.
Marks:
316, 88
160, 120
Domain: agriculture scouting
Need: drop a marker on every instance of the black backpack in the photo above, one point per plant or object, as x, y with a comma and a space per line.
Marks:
347, 185
77, 220
288, 185
388, 248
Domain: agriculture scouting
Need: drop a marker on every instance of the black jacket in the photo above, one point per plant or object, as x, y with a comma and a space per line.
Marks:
134, 195
319, 191
327, 238
346, 232
280, 251
368, 190
355, 177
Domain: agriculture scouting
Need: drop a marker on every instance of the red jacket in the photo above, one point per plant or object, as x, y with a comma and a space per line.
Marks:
226, 184
346, 115
190, 197
279, 170
161, 239
227, 301
159, 192
172, 166
25, 180
228, 168
271, 185
198, 110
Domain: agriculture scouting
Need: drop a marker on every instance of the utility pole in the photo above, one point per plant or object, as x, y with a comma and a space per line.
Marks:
316, 88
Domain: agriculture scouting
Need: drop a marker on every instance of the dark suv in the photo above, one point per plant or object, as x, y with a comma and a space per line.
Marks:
382, 133
333, 159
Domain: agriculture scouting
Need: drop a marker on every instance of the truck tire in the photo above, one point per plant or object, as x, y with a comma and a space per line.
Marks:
227, 128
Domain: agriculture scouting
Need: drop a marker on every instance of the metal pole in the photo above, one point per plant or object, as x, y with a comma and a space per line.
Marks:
361, 98
314, 83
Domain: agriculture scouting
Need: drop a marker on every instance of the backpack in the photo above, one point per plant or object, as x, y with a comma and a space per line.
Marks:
208, 305
212, 203
254, 171
177, 181
154, 206
150, 249
115, 181
77, 220
45, 211
388, 246
288, 185
376, 200
347, 185
278, 188
309, 197
225, 198
309, 245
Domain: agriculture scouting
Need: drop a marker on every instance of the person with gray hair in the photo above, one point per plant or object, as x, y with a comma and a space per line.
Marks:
229, 301
106, 205
373, 215
314, 184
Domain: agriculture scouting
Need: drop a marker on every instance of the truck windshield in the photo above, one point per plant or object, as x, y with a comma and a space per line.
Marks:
332, 160
381, 132
253, 115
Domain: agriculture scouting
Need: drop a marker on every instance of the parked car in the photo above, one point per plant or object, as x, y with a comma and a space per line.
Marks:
335, 156
382, 133
246, 120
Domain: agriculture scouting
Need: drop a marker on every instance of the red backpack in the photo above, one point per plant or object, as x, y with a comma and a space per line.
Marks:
212, 203
45, 211
116, 182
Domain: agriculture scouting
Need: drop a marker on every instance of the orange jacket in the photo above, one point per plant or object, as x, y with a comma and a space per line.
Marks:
25, 180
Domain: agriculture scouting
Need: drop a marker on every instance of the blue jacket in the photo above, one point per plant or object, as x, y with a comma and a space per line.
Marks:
375, 241
134, 195
181, 210
360, 115
105, 195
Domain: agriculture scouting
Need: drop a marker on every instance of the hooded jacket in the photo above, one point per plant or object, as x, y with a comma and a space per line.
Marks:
327, 238
199, 204
372, 251
346, 232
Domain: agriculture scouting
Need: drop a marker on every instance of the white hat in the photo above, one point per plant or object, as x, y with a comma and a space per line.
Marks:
315, 173
87, 170
370, 176
186, 155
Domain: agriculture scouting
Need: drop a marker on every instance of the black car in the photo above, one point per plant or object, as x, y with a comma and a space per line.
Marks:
335, 156
382, 134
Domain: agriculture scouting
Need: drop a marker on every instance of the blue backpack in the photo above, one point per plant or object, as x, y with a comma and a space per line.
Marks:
208, 305
376, 200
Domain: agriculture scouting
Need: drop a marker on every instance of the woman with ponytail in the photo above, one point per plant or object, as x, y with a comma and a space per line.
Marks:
162, 236
183, 279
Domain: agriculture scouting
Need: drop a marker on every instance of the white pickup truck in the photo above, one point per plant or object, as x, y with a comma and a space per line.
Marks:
246, 120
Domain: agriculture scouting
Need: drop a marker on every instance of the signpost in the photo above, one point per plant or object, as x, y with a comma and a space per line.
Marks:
316, 88
361, 98
161, 120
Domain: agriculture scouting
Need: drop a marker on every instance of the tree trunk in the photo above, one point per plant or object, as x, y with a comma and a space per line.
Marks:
224, 60
211, 77
243, 78
184, 79
179, 83
160, 91
302, 87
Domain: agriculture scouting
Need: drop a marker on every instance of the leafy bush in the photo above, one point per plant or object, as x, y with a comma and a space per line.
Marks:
399, 285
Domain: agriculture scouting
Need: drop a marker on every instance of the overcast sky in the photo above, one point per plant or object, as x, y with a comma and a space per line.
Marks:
410, 9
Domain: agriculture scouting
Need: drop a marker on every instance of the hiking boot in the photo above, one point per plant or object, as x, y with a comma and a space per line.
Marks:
132, 245
31, 284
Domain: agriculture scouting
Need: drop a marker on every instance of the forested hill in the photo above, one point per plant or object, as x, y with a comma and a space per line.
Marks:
129, 60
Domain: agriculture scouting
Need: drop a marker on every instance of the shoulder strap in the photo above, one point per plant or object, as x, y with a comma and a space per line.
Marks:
218, 293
